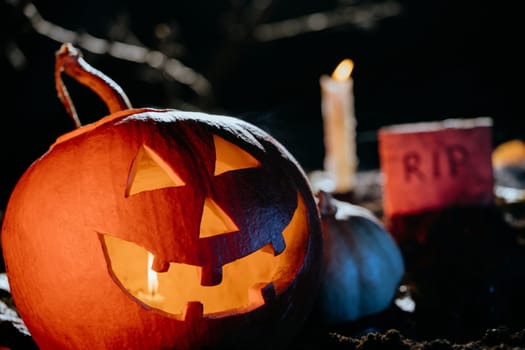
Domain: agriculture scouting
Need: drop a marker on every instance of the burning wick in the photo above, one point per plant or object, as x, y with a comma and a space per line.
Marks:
153, 281
152, 297
339, 124
343, 70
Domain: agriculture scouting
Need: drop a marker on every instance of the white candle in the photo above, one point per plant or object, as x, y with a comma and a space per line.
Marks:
339, 123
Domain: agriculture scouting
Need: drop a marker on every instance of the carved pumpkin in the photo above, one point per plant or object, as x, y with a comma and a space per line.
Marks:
363, 266
213, 209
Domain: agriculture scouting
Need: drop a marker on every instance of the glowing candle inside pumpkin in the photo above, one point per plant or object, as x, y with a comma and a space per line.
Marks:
152, 297
340, 161
153, 281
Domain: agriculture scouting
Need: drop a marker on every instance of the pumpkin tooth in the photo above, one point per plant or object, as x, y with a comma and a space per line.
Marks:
268, 292
211, 275
268, 249
275, 247
261, 293
278, 244
194, 310
160, 265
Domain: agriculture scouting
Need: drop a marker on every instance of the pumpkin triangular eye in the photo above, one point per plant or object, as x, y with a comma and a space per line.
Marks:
230, 157
150, 172
215, 221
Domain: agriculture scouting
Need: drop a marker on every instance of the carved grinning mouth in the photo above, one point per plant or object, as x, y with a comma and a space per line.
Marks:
247, 283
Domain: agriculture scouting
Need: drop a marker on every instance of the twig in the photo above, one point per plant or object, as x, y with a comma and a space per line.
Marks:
133, 53
362, 15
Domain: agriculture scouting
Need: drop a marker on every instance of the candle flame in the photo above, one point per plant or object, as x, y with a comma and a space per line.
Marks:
343, 70
153, 282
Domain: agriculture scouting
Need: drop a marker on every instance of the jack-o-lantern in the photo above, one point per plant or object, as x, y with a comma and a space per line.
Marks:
161, 229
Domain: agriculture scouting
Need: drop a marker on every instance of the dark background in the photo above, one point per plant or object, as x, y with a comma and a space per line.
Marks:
414, 61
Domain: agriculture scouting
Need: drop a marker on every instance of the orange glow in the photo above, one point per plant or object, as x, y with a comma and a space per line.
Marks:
153, 282
343, 70
245, 284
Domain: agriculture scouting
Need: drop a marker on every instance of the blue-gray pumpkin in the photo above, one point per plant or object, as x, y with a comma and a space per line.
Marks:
362, 264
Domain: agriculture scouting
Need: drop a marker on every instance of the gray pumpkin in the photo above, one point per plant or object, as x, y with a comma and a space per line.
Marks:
363, 265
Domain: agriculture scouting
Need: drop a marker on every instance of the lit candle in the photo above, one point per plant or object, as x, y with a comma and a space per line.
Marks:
337, 106
152, 297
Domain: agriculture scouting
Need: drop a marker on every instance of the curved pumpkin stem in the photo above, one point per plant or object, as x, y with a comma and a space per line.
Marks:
325, 204
69, 60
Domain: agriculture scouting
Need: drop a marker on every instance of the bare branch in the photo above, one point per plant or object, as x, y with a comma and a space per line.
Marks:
133, 53
362, 16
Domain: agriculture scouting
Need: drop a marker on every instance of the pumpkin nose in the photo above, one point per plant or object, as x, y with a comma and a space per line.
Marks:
214, 220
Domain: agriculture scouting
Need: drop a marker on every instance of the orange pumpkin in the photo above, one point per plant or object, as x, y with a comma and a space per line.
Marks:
160, 229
